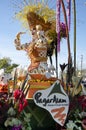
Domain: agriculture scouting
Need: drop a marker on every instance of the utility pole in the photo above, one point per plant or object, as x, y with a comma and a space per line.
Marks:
81, 63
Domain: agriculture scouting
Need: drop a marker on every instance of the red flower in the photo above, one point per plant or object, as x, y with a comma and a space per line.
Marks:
20, 107
82, 101
83, 105
25, 103
20, 98
17, 93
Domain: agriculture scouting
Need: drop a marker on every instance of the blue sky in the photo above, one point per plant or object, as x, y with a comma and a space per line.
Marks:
9, 27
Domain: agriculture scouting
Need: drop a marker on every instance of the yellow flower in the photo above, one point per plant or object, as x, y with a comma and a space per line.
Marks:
40, 9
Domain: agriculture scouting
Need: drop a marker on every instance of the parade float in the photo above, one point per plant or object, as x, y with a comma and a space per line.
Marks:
43, 78
53, 103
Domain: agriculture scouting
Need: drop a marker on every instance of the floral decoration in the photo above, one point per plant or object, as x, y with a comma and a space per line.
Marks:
13, 105
76, 118
43, 11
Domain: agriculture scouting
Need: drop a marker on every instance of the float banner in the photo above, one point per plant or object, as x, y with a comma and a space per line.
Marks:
55, 100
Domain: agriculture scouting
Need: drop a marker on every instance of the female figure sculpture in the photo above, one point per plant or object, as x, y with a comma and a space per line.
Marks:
36, 50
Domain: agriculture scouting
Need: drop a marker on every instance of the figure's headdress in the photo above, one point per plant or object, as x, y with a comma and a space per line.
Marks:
38, 13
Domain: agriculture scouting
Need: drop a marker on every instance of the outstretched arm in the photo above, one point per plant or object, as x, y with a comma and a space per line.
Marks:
18, 44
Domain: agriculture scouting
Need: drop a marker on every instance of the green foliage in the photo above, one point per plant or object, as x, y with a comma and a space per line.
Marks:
5, 63
52, 35
26, 121
13, 105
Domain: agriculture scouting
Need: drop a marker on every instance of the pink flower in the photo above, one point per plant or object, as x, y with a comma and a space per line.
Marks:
84, 124
63, 30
